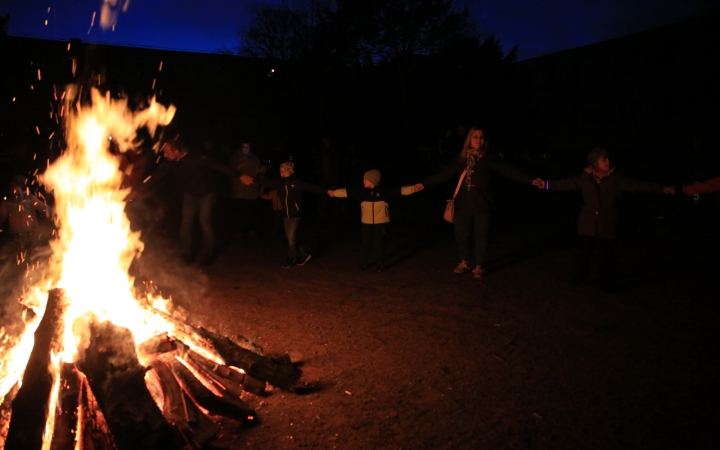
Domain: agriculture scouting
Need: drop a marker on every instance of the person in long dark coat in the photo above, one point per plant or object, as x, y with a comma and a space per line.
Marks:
474, 202
601, 186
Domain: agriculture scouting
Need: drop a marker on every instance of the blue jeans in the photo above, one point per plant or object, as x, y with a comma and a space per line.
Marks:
291, 228
464, 227
192, 207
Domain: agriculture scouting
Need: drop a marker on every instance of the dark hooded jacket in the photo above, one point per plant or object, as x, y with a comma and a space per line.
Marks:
289, 192
598, 217
476, 198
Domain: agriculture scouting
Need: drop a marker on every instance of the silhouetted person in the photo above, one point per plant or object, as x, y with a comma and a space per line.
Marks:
197, 175
601, 186
245, 197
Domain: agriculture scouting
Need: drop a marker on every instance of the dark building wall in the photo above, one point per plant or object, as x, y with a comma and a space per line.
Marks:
648, 95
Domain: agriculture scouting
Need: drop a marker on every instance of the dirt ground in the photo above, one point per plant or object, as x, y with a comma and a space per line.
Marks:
417, 357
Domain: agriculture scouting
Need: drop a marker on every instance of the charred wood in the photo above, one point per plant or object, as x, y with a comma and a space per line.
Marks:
5, 413
280, 372
180, 410
92, 429
30, 407
109, 362
66, 418
228, 378
233, 408
156, 345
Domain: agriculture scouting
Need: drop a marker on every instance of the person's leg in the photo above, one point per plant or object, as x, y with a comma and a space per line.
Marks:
291, 226
583, 252
302, 238
190, 208
379, 238
481, 230
463, 227
608, 269
367, 242
206, 208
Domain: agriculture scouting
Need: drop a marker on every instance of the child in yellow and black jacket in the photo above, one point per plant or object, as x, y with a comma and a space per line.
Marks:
374, 212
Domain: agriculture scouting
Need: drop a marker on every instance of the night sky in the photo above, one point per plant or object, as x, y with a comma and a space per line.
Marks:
537, 27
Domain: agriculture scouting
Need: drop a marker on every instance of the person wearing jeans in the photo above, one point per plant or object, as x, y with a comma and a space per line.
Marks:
197, 175
201, 207
466, 226
474, 201
289, 190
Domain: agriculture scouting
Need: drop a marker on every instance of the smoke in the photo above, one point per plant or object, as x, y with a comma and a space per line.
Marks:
161, 263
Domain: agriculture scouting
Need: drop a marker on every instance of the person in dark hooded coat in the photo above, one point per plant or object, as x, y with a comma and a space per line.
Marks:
601, 186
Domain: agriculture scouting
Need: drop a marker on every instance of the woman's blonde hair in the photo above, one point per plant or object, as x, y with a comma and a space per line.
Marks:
466, 145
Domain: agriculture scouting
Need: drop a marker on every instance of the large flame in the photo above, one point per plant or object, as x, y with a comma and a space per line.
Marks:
95, 245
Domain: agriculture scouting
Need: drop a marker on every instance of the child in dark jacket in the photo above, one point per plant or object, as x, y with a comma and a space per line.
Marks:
374, 212
600, 187
289, 190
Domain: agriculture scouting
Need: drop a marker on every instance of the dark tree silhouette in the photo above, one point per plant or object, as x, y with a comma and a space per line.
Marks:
277, 32
4, 21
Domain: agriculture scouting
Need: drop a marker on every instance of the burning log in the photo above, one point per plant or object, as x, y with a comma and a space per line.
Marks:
6, 412
180, 410
213, 402
30, 408
158, 344
231, 380
92, 429
66, 414
280, 372
111, 366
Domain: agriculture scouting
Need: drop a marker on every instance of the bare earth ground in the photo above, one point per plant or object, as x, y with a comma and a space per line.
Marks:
417, 357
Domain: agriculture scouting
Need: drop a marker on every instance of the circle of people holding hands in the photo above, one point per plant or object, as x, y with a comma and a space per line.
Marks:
599, 184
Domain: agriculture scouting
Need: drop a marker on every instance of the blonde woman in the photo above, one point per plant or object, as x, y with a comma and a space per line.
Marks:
474, 201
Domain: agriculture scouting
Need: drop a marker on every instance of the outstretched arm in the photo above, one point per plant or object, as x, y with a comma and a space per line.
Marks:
568, 184
703, 187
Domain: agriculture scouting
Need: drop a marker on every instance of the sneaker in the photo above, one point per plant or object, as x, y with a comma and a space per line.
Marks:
478, 272
288, 263
303, 260
461, 268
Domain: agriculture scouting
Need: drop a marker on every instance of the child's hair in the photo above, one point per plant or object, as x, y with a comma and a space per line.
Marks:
289, 166
596, 154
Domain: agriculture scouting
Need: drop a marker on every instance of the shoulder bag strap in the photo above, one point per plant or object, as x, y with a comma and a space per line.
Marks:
462, 177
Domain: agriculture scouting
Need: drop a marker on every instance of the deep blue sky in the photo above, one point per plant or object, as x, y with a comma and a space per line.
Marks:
537, 27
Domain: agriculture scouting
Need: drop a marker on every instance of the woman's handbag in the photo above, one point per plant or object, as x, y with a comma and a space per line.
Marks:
449, 215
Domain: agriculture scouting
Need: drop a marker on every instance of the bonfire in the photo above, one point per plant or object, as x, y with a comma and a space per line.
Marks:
100, 365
